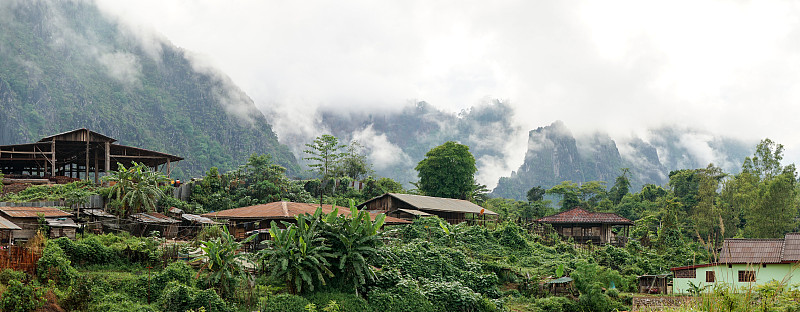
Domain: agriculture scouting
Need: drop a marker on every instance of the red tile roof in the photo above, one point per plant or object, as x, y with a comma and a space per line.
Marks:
791, 247
33, 212
578, 216
285, 211
742, 250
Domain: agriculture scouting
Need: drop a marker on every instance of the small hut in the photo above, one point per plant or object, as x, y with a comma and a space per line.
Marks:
145, 223
191, 224
7, 231
62, 227
97, 219
560, 286
654, 284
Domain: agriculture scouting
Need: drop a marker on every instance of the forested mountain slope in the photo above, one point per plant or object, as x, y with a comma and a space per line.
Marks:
64, 65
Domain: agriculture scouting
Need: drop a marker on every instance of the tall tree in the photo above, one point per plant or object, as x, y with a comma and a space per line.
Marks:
353, 162
569, 194
707, 213
536, 193
136, 187
324, 154
771, 207
620, 188
447, 170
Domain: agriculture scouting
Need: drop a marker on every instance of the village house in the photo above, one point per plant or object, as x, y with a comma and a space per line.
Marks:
588, 227
246, 219
27, 219
745, 263
410, 207
144, 223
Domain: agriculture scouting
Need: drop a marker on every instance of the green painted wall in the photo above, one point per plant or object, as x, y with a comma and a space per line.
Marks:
730, 276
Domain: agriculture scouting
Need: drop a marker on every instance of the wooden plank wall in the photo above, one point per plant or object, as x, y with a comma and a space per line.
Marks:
19, 258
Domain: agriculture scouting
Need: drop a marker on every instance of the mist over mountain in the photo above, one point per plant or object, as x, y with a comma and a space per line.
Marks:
66, 65
554, 154
396, 141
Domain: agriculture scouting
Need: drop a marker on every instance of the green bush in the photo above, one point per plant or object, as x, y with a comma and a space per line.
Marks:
346, 301
117, 302
54, 265
178, 297
21, 298
556, 304
9, 274
453, 296
284, 303
406, 296
177, 271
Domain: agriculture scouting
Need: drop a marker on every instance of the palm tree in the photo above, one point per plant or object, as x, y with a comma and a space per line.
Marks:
136, 187
297, 254
222, 261
355, 242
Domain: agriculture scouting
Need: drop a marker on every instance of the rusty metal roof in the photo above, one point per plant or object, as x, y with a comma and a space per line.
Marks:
153, 217
8, 225
791, 247
579, 215
437, 203
98, 213
285, 211
62, 223
741, 250
198, 219
33, 212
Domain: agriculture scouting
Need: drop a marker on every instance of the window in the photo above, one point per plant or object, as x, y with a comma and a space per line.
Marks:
687, 273
710, 276
747, 276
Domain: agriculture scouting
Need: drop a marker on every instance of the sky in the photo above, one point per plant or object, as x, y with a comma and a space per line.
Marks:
727, 67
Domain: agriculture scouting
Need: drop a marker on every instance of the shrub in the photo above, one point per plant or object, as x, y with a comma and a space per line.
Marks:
54, 265
177, 271
346, 301
178, 297
9, 274
117, 302
406, 296
453, 296
21, 298
284, 303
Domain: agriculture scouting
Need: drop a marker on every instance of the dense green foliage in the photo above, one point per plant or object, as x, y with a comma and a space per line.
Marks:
448, 171
71, 193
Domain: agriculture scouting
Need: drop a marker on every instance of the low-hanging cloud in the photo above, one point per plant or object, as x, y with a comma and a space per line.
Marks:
621, 67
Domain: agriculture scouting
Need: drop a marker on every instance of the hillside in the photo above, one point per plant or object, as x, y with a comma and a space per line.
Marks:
67, 66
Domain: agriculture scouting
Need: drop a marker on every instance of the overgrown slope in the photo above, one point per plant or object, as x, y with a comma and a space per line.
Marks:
66, 66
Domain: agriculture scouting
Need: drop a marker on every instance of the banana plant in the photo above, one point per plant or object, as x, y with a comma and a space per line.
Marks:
298, 254
223, 262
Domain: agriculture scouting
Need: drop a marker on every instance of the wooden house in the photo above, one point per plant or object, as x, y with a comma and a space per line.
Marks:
588, 227
191, 224
246, 219
145, 223
27, 219
7, 231
409, 207
97, 219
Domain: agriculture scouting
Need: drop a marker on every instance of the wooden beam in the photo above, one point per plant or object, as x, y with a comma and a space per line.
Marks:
26, 153
53, 151
87, 157
133, 156
108, 158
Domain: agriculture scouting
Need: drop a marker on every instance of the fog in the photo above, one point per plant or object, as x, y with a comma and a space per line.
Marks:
621, 67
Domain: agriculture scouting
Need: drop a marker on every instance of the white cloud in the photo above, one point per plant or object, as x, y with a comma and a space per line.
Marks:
725, 67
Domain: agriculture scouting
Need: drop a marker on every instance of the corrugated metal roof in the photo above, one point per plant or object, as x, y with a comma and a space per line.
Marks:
440, 204
198, 219
33, 212
579, 215
735, 250
8, 225
285, 211
153, 217
62, 222
98, 213
416, 212
791, 247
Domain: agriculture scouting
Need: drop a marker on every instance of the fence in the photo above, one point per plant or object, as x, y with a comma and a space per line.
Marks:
19, 258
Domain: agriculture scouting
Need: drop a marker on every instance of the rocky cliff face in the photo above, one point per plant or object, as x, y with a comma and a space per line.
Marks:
555, 155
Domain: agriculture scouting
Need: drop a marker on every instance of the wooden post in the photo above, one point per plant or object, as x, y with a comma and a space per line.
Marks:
53, 164
87, 158
108, 158
96, 170
169, 170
